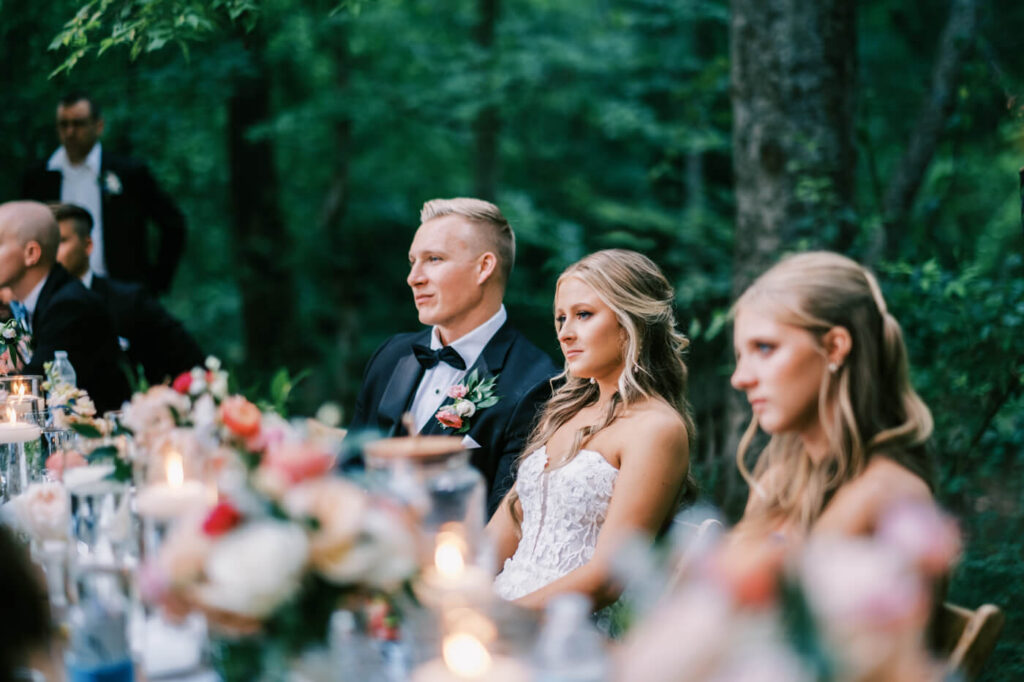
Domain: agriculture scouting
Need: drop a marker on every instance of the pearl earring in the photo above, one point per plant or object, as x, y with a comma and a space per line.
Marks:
833, 367
593, 380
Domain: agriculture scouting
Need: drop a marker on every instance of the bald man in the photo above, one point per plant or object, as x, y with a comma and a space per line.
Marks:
60, 312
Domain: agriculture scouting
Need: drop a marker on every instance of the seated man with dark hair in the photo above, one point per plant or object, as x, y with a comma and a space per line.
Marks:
58, 311
148, 333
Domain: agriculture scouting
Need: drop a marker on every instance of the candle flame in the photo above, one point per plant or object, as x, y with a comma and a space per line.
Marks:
19, 388
11, 416
175, 469
449, 555
466, 656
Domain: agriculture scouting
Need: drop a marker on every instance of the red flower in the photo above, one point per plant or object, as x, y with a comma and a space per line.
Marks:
240, 416
449, 419
182, 383
221, 519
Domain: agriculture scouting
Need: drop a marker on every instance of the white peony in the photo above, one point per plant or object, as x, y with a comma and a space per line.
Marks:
253, 570
43, 511
383, 556
338, 508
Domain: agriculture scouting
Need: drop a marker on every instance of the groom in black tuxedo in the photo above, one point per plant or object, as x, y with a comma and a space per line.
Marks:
459, 265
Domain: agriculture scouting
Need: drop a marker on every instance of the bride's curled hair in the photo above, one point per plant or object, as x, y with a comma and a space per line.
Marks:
642, 299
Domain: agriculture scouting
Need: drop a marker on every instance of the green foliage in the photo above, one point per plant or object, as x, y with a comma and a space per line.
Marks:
615, 130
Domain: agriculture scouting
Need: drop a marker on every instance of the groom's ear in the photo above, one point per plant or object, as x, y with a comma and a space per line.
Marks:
488, 265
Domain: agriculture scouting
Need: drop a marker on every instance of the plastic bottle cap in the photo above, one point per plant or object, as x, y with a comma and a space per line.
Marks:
58, 354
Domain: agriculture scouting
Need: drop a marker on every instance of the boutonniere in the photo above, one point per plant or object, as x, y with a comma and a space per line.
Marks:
470, 397
112, 183
14, 346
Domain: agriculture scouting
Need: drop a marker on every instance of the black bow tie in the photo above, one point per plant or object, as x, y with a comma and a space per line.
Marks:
428, 357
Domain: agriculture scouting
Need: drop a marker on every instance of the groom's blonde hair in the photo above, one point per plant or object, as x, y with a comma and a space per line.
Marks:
496, 232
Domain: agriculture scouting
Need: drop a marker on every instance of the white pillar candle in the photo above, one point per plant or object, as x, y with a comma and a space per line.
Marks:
12, 431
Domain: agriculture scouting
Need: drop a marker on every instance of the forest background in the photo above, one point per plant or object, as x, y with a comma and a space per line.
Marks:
300, 137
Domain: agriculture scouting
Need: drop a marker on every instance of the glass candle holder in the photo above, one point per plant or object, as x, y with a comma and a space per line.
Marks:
433, 476
21, 460
22, 384
174, 478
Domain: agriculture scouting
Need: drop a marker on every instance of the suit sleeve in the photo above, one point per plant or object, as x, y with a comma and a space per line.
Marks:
87, 335
520, 425
159, 342
170, 224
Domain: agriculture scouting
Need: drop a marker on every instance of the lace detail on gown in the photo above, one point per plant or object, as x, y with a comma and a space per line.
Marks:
563, 511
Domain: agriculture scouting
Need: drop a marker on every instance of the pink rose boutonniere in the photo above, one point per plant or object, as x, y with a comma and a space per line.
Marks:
469, 397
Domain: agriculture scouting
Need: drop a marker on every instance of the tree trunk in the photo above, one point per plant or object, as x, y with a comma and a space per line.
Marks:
487, 123
793, 72
263, 267
957, 38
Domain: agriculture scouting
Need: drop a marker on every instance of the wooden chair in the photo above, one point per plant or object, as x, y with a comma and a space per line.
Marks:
965, 638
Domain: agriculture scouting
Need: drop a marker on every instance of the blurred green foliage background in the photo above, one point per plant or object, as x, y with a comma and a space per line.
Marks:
592, 124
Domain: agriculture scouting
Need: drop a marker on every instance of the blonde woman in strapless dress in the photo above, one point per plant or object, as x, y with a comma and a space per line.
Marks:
610, 453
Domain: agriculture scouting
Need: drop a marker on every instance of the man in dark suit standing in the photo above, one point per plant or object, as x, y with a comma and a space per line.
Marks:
147, 332
460, 261
119, 193
60, 313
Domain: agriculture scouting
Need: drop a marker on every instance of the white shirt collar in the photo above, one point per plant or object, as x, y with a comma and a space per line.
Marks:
87, 278
93, 161
472, 344
33, 297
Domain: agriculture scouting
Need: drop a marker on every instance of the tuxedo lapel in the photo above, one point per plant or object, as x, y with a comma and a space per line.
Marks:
399, 392
490, 363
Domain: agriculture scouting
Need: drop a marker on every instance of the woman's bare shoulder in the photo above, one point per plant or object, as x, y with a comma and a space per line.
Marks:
857, 506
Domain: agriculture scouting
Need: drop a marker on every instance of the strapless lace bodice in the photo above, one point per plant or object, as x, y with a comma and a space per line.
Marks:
563, 511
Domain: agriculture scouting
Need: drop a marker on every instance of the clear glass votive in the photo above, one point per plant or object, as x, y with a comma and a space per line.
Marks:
433, 476
22, 384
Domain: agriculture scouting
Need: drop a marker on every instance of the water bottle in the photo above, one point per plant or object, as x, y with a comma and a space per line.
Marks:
98, 649
569, 648
61, 369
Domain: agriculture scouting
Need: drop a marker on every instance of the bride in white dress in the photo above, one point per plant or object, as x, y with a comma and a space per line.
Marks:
610, 452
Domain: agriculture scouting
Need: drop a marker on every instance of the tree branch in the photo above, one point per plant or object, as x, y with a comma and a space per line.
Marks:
957, 38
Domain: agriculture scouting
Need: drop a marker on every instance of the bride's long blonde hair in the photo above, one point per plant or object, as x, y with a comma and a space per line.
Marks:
867, 407
637, 292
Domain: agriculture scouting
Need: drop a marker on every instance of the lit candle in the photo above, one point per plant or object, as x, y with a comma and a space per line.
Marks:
174, 495
20, 401
464, 657
13, 431
450, 577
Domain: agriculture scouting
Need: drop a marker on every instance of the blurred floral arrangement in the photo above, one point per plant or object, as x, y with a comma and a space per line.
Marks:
849, 609
286, 540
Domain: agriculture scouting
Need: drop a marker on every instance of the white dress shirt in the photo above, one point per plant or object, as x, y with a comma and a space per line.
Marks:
433, 388
81, 186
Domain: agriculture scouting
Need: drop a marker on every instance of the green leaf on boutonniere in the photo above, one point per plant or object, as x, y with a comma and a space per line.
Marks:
493, 400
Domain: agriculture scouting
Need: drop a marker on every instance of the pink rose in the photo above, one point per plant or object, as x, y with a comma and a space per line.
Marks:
457, 391
59, 461
449, 419
295, 462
